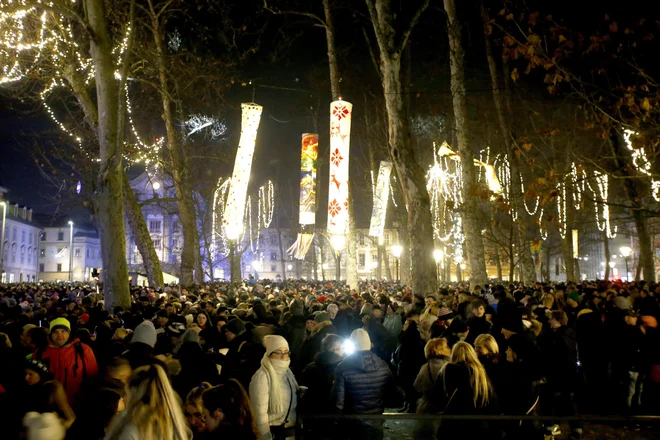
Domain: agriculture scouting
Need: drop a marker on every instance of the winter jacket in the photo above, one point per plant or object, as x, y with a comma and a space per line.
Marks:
312, 345
259, 393
559, 354
477, 326
243, 359
425, 380
393, 324
295, 333
318, 377
73, 365
362, 383
196, 367
384, 343
409, 355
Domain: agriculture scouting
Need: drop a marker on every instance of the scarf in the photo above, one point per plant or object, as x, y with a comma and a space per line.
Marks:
278, 372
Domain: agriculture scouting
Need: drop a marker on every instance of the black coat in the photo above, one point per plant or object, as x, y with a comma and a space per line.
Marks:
363, 382
409, 356
295, 333
196, 367
477, 326
318, 376
559, 355
312, 345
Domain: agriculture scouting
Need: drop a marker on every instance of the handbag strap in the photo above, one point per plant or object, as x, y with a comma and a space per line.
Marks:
288, 411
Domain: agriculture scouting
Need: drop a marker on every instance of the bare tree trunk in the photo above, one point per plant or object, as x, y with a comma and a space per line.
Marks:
332, 53
141, 236
178, 163
315, 269
279, 242
470, 207
409, 173
633, 193
608, 256
351, 248
405, 275
110, 213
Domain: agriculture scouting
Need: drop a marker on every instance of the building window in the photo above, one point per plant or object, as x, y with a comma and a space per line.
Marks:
22, 236
43, 236
22, 259
175, 243
157, 243
175, 226
13, 234
59, 251
388, 238
30, 239
42, 268
59, 267
60, 236
361, 260
273, 256
87, 253
273, 268
154, 226
374, 258
361, 239
42, 253
29, 257
76, 252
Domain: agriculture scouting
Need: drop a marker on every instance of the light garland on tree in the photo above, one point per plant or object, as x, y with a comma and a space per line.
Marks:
266, 204
543, 231
196, 123
641, 162
538, 199
601, 198
561, 208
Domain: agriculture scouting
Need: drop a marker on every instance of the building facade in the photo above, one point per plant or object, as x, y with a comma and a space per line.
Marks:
20, 244
68, 252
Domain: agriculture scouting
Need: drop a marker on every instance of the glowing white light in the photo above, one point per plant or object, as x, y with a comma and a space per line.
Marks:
156, 186
396, 251
196, 123
235, 209
438, 255
289, 267
348, 347
78, 187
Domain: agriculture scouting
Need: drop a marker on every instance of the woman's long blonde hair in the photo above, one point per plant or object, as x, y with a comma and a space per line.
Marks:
152, 408
463, 353
488, 342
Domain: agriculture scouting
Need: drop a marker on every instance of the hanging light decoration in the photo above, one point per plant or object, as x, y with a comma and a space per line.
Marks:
340, 137
236, 199
641, 162
381, 197
307, 208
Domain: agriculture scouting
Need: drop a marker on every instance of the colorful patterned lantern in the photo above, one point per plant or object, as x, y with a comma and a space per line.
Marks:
340, 136
307, 212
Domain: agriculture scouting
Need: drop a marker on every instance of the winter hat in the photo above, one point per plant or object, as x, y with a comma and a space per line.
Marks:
176, 329
296, 308
145, 333
321, 317
360, 339
236, 326
85, 317
60, 323
46, 426
273, 342
321, 299
189, 318
622, 302
445, 313
584, 312
191, 335
458, 326
39, 367
513, 323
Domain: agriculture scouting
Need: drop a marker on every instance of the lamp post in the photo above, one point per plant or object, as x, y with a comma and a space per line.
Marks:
396, 251
612, 264
70, 251
438, 256
2, 240
625, 253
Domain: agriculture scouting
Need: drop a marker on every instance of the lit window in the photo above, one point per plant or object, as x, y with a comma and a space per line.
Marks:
154, 226
60, 236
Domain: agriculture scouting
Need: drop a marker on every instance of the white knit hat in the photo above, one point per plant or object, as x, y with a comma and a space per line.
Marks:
360, 339
145, 333
273, 342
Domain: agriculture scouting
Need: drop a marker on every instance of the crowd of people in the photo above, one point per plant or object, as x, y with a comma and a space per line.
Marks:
263, 361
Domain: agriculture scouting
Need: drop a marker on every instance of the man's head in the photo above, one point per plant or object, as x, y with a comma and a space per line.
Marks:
332, 310
60, 330
332, 343
235, 327
558, 319
429, 300
361, 340
478, 308
162, 317
630, 318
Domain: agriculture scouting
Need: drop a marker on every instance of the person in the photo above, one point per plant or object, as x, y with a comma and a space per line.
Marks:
193, 409
294, 330
408, 358
242, 359
196, 365
141, 348
228, 413
71, 362
312, 346
363, 382
273, 391
477, 322
488, 353
437, 354
152, 409
464, 388
319, 375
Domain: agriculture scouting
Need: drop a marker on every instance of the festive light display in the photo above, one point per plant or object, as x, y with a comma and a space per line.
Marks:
600, 199
576, 249
381, 198
197, 123
340, 136
235, 209
641, 162
266, 204
307, 209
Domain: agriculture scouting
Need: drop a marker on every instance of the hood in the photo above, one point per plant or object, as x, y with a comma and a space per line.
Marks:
327, 358
366, 361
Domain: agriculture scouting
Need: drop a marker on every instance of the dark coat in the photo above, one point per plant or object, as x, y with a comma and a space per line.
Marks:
409, 355
243, 359
295, 333
362, 383
477, 326
559, 356
196, 367
384, 342
318, 376
312, 345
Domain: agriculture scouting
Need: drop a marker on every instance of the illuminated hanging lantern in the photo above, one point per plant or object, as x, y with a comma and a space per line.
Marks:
340, 136
307, 211
78, 187
381, 197
235, 208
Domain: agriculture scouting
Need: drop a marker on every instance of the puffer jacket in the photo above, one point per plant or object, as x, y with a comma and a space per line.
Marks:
425, 381
259, 395
73, 365
362, 383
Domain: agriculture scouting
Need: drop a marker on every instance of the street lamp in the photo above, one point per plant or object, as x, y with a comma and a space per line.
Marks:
625, 253
396, 251
2, 240
289, 267
70, 251
612, 264
438, 255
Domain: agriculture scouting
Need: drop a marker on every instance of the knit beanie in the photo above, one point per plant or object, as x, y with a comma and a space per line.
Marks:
60, 323
145, 333
40, 367
622, 302
360, 339
236, 326
321, 317
46, 426
191, 335
296, 308
273, 342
